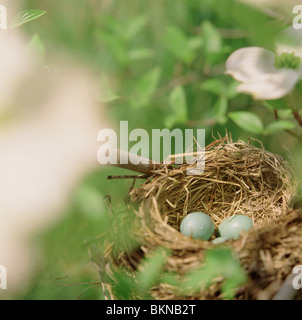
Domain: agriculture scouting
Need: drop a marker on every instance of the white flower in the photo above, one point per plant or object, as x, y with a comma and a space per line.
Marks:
47, 145
264, 74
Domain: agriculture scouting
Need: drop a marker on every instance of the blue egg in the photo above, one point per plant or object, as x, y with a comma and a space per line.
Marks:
231, 227
197, 225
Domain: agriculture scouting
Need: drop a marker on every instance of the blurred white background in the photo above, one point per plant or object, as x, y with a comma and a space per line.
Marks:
48, 127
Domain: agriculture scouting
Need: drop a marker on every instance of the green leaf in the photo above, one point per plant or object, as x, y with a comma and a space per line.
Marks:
247, 121
231, 91
211, 38
170, 278
220, 110
116, 47
196, 280
133, 26
219, 87
285, 114
220, 265
177, 100
89, 201
231, 284
195, 43
123, 29
277, 126
220, 261
151, 268
215, 86
276, 104
27, 16
124, 286
178, 44
140, 54
107, 96
178, 104
36, 46
145, 88
247, 18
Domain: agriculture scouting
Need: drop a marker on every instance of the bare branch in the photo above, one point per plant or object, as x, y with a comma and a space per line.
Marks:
144, 165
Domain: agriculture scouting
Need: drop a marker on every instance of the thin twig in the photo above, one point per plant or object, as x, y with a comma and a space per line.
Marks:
142, 176
297, 117
144, 165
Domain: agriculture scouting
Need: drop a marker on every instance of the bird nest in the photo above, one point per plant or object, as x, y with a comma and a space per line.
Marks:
238, 178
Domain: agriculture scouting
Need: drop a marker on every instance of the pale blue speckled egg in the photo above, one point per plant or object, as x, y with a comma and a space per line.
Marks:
231, 227
197, 225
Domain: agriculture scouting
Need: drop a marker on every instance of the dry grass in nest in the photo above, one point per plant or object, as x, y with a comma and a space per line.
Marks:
238, 178
268, 255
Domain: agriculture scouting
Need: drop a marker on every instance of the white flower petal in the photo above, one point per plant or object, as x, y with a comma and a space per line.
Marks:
272, 85
250, 64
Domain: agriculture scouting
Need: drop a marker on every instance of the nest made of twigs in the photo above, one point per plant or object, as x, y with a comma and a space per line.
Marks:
238, 178
268, 255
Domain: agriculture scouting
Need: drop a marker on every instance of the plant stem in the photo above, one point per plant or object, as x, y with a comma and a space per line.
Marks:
297, 117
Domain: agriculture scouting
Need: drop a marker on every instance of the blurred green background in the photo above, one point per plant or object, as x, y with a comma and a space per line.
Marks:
160, 64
